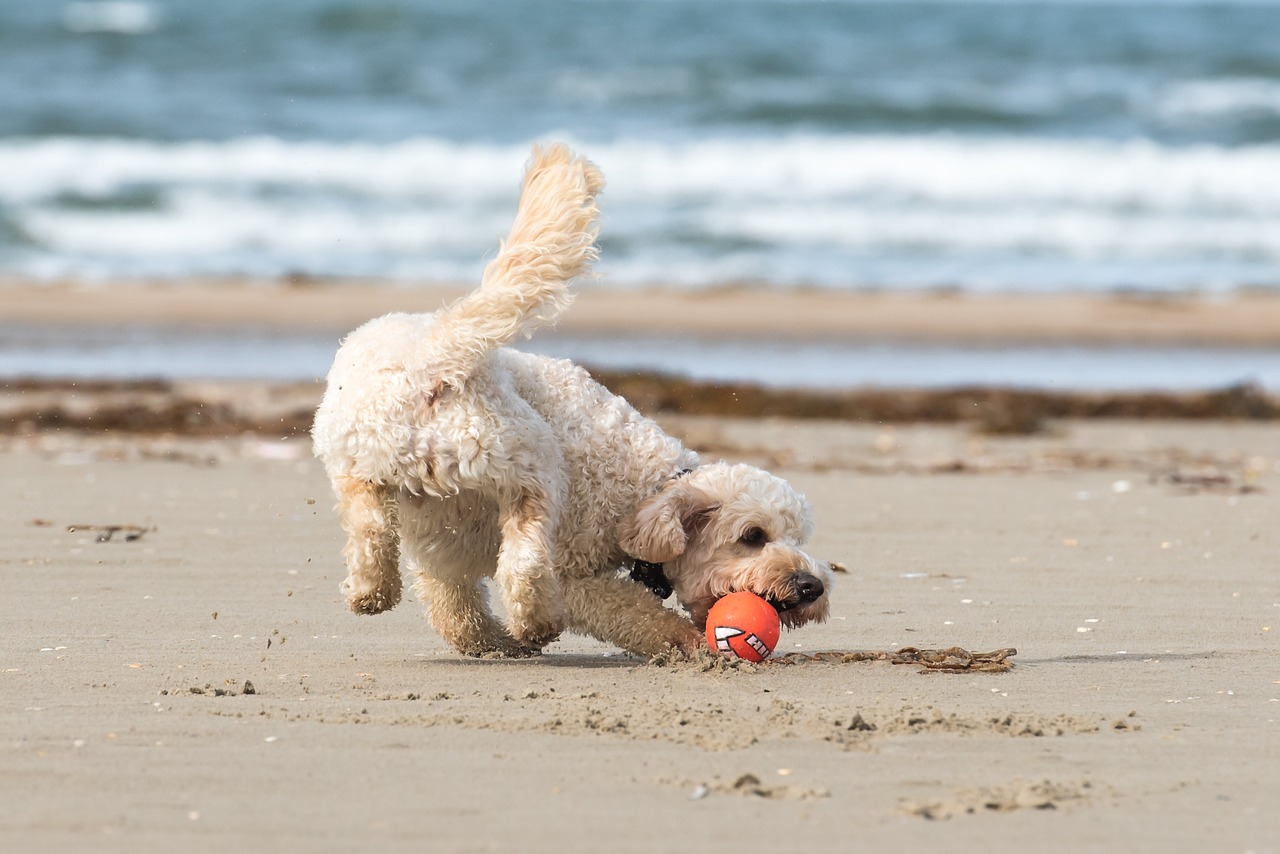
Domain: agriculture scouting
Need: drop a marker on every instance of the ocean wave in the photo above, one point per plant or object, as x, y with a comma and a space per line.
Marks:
940, 168
1217, 98
853, 209
111, 16
41, 168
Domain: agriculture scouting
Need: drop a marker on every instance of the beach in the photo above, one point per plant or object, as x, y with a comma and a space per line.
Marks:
179, 668
995, 284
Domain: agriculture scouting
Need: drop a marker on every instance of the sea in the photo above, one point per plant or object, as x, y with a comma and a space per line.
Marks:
967, 145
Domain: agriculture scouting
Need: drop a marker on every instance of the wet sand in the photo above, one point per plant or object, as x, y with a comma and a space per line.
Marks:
202, 687
1245, 320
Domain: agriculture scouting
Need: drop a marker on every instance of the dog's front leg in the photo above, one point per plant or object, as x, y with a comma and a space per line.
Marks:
529, 587
622, 612
367, 512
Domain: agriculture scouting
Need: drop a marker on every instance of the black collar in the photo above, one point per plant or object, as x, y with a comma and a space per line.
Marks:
651, 575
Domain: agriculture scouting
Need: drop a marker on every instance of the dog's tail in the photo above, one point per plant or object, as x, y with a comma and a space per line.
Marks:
551, 241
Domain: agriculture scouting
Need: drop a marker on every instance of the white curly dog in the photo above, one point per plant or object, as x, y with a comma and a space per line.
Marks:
465, 460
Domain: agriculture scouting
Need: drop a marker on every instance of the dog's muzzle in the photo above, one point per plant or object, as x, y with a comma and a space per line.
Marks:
808, 588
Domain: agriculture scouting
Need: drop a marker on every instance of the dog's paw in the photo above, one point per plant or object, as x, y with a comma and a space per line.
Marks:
535, 640
682, 648
534, 628
364, 598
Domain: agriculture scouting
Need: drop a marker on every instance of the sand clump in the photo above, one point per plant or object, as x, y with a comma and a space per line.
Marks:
1042, 795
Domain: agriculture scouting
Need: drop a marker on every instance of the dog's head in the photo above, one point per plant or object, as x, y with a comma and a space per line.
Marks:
723, 528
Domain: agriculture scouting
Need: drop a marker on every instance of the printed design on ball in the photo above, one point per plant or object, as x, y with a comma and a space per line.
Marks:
724, 633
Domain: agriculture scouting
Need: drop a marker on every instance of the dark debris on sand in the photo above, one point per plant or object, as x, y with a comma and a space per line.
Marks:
951, 660
287, 409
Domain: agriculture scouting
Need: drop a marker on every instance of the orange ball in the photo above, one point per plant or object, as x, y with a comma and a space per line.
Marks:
744, 625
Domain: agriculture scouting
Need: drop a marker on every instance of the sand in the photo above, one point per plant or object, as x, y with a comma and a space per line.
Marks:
1241, 320
178, 671
201, 687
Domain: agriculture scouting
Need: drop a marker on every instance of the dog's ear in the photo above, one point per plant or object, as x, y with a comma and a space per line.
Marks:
660, 528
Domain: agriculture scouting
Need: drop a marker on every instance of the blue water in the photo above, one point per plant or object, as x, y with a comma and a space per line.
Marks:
976, 145
142, 352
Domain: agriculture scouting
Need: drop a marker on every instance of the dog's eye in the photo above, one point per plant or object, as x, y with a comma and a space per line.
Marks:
754, 537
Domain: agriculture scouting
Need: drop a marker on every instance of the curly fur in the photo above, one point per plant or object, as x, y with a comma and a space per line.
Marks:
463, 459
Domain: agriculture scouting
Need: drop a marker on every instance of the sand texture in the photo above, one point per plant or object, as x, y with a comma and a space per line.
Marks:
178, 671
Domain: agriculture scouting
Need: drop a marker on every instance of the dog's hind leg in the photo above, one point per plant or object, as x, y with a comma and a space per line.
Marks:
459, 611
622, 612
450, 545
368, 514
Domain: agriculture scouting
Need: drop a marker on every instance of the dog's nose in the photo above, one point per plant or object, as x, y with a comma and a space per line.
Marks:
809, 587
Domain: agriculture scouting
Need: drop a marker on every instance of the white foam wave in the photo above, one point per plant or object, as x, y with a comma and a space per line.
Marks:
1079, 233
203, 222
805, 208
49, 167
940, 169
955, 170
111, 16
1216, 98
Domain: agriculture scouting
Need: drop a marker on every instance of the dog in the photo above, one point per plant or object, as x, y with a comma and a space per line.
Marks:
463, 459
